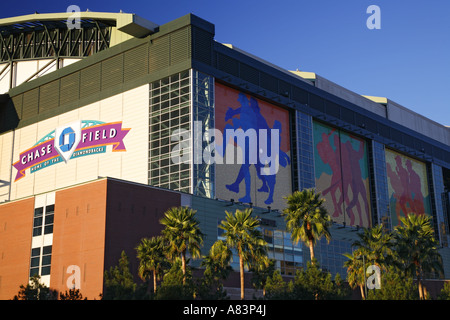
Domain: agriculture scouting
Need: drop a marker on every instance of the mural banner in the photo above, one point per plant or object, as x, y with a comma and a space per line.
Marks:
342, 175
407, 186
258, 134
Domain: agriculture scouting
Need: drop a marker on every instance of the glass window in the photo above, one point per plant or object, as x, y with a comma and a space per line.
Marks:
45, 270
165, 125
49, 215
37, 222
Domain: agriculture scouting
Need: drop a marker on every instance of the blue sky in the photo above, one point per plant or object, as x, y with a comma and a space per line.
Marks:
407, 60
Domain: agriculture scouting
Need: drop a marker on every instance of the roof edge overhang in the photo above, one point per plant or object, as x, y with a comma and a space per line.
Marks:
129, 23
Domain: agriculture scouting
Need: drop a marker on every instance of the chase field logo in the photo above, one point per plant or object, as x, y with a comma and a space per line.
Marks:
74, 140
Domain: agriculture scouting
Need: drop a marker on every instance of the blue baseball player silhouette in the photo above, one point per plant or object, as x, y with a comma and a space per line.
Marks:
250, 117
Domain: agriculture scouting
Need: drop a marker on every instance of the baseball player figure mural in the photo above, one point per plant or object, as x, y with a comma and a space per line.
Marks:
342, 175
258, 133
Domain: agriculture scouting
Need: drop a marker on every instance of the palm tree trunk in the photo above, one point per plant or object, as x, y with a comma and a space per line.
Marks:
311, 251
241, 268
420, 286
419, 281
183, 265
361, 287
154, 281
420, 290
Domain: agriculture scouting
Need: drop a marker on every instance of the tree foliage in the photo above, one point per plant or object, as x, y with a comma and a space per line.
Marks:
182, 233
242, 234
311, 283
306, 218
394, 286
119, 283
35, 290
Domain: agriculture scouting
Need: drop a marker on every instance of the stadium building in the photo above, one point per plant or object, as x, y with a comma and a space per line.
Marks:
106, 125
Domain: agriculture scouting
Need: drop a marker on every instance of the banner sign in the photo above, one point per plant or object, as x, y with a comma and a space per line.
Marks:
74, 140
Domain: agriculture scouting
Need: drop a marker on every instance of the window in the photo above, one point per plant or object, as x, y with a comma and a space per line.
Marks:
46, 260
288, 256
41, 259
34, 264
49, 214
37, 221
169, 111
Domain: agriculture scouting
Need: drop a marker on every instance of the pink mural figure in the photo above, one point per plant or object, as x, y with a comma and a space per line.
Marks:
396, 186
405, 196
406, 185
416, 191
346, 176
352, 178
332, 158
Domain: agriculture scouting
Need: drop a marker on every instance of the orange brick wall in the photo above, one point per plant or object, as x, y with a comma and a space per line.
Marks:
93, 223
16, 224
79, 237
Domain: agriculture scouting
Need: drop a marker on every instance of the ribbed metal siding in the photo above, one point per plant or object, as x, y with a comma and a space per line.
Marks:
159, 57
49, 96
180, 45
299, 95
135, 63
268, 82
249, 74
69, 88
30, 103
90, 80
112, 71
202, 44
227, 64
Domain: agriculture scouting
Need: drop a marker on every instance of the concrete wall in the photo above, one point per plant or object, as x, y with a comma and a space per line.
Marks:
417, 122
350, 96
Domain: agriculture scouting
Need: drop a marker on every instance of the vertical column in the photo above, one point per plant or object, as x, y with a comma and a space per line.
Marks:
203, 120
305, 151
42, 241
438, 198
381, 196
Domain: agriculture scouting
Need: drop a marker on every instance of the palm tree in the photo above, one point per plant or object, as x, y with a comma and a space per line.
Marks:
355, 271
242, 234
376, 245
182, 233
217, 261
150, 253
217, 265
306, 218
417, 248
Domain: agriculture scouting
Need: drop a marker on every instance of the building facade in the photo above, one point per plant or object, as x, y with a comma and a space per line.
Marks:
105, 126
